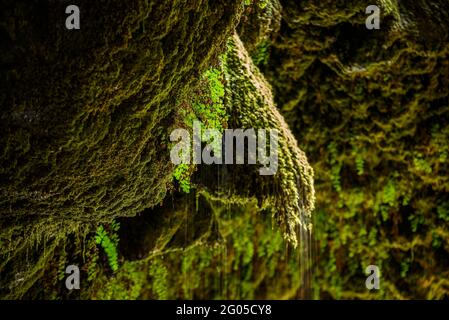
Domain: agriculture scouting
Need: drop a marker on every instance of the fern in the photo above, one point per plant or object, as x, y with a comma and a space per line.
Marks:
109, 244
443, 211
182, 175
261, 55
209, 108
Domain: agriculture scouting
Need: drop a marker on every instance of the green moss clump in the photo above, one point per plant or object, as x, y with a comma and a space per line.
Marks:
250, 104
158, 272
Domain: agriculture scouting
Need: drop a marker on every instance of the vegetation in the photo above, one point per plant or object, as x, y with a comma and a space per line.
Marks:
109, 242
367, 109
86, 179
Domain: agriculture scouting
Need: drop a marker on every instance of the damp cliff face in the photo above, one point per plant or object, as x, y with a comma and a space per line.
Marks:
86, 117
85, 148
235, 234
371, 109
84, 114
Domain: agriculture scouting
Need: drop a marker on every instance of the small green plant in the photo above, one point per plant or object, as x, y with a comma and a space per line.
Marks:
443, 211
125, 285
389, 194
182, 175
359, 163
158, 272
405, 267
261, 3
437, 241
217, 90
207, 106
109, 243
415, 221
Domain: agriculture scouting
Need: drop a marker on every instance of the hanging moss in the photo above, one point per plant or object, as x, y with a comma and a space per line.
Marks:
251, 106
84, 142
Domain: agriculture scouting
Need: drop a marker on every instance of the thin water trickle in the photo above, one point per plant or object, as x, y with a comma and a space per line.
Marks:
304, 263
220, 178
305, 259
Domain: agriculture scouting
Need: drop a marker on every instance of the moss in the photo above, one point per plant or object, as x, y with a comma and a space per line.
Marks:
259, 26
85, 118
205, 105
125, 285
239, 254
85, 115
368, 108
248, 91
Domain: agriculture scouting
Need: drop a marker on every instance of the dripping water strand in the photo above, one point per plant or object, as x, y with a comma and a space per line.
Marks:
305, 255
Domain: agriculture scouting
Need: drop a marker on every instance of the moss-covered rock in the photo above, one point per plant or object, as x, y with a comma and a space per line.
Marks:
258, 27
370, 108
85, 116
84, 136
85, 113
221, 237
